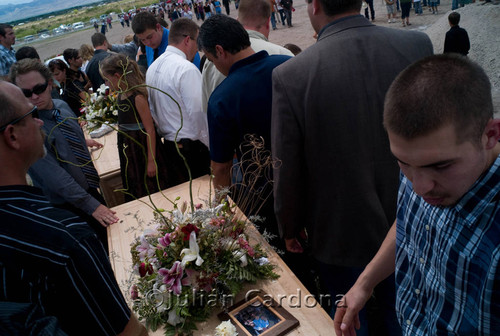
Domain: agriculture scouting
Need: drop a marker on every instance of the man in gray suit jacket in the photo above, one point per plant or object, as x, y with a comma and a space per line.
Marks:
337, 177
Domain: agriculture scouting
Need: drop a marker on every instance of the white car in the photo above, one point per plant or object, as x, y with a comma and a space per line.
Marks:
78, 25
44, 36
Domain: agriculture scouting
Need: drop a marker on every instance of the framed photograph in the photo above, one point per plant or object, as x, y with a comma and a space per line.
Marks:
259, 316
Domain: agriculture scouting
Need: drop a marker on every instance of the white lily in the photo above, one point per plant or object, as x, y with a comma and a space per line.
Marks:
173, 318
102, 88
192, 253
242, 256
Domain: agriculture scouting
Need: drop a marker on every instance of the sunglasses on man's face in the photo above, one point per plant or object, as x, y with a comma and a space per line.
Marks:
33, 112
37, 89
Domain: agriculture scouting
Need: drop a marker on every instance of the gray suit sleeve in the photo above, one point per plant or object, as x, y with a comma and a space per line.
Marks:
287, 145
54, 180
128, 49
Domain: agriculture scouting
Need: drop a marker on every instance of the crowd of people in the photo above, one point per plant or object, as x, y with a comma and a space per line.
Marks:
374, 164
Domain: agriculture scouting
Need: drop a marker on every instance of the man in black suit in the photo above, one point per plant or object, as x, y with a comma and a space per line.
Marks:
457, 39
337, 176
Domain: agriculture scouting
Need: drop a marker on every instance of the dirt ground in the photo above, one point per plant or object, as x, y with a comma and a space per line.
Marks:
300, 34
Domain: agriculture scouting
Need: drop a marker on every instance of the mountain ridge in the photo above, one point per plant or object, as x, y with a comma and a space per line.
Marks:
15, 12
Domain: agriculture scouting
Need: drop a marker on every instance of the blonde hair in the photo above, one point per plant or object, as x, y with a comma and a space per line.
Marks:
128, 38
131, 77
86, 52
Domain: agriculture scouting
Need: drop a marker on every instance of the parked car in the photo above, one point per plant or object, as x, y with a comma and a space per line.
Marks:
78, 25
64, 27
44, 36
29, 38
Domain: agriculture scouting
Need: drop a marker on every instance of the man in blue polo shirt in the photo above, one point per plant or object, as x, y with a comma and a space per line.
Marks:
239, 114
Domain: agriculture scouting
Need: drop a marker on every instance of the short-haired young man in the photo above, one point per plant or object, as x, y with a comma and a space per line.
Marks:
444, 245
457, 39
50, 260
151, 34
101, 46
7, 53
174, 73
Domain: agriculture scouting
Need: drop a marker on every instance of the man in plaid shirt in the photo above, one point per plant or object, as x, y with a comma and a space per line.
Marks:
7, 54
446, 239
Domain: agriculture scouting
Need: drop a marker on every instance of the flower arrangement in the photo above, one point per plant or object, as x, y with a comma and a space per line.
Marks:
188, 261
99, 108
191, 262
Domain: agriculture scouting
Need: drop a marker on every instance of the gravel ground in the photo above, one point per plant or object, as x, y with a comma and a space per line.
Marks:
482, 21
300, 34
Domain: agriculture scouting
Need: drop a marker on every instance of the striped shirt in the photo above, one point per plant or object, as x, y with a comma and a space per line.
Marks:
51, 258
448, 261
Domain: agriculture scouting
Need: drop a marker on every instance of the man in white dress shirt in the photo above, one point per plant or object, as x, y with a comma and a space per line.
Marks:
174, 74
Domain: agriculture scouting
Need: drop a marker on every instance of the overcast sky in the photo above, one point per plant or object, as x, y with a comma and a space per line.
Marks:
14, 2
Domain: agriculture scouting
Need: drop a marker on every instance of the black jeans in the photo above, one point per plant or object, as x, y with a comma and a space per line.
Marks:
197, 158
378, 317
372, 11
288, 15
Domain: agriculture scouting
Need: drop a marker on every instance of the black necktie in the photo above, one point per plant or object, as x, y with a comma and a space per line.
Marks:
155, 56
79, 150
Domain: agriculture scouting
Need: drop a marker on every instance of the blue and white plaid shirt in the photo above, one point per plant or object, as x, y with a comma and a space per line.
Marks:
448, 261
7, 58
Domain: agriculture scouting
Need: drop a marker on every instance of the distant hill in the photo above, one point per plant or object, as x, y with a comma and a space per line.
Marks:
11, 12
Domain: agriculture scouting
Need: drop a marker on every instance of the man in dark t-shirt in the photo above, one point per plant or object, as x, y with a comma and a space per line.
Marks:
101, 46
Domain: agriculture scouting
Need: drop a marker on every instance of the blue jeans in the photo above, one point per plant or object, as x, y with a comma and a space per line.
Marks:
379, 315
418, 7
273, 20
282, 16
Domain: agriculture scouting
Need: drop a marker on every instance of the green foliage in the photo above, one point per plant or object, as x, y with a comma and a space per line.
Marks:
71, 15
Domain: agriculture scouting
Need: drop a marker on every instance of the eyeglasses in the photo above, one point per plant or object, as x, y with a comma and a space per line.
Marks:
37, 89
33, 112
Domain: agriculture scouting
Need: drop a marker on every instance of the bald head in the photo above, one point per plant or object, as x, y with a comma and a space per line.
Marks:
12, 98
21, 137
255, 15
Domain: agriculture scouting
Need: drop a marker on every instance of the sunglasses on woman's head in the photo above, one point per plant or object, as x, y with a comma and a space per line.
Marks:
37, 89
